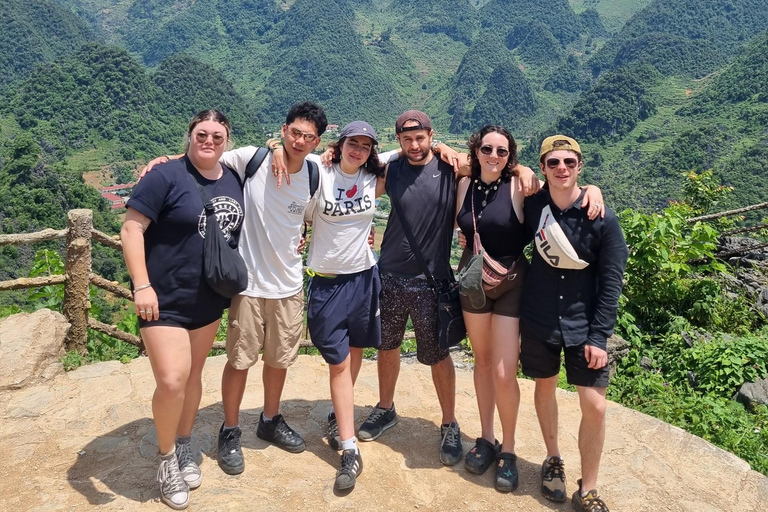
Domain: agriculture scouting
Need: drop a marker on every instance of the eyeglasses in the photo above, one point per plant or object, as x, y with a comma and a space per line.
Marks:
569, 162
202, 138
500, 152
297, 134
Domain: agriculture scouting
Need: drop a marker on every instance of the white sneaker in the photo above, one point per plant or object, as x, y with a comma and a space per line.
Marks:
190, 471
174, 491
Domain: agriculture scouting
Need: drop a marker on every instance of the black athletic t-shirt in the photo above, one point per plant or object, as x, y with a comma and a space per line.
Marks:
427, 195
501, 233
173, 243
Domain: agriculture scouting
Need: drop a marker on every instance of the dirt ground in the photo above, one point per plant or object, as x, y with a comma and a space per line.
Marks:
84, 440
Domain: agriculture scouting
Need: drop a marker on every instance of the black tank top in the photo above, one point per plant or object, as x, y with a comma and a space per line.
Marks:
501, 233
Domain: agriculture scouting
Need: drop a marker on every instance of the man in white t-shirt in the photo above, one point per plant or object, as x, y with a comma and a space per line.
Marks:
268, 316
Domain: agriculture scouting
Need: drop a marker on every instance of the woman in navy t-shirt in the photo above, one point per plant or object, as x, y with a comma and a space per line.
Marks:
179, 313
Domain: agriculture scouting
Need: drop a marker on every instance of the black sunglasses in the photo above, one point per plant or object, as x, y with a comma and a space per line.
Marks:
569, 162
488, 150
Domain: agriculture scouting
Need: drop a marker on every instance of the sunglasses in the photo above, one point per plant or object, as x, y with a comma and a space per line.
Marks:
218, 139
569, 162
297, 134
500, 152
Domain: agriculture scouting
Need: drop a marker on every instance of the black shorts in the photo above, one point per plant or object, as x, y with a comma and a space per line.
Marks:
506, 298
170, 322
541, 360
401, 297
344, 311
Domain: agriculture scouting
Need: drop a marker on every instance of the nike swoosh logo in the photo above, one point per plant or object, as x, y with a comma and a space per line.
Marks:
436, 175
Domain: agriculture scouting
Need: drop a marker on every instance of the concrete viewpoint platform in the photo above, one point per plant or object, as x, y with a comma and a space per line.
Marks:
84, 441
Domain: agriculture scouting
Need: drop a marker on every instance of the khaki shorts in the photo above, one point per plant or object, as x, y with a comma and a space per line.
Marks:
269, 325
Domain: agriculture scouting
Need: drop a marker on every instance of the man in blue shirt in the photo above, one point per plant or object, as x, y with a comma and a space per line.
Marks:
570, 302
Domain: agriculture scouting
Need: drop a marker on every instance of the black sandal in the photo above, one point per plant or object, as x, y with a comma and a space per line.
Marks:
480, 458
506, 472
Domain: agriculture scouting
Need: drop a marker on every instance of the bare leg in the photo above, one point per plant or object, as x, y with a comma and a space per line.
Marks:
506, 352
201, 341
233, 383
444, 377
170, 355
356, 362
343, 397
388, 367
273, 380
546, 410
591, 433
479, 330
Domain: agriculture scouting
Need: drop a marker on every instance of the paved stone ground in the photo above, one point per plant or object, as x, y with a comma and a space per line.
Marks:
84, 440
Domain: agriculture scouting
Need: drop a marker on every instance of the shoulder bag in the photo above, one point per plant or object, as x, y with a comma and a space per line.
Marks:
495, 274
223, 267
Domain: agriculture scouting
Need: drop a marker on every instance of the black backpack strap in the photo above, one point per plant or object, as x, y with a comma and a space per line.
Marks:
314, 177
397, 207
255, 162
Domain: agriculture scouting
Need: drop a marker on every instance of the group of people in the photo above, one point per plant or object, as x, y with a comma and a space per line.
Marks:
566, 300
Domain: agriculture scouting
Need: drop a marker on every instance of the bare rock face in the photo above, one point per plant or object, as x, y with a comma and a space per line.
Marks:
31, 345
617, 349
753, 393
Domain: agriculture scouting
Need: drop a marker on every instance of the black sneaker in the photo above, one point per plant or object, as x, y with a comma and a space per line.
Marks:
334, 439
507, 477
379, 421
351, 466
553, 479
280, 434
450, 446
230, 455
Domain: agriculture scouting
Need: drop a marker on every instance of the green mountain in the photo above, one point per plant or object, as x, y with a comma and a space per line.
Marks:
630, 97
35, 31
319, 57
642, 131
666, 31
103, 94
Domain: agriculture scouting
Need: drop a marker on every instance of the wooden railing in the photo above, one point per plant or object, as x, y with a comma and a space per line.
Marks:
77, 277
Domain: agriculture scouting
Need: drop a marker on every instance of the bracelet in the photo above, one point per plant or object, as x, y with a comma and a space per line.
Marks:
273, 144
142, 287
434, 145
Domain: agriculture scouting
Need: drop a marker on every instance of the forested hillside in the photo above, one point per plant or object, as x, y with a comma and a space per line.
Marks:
629, 78
35, 31
644, 131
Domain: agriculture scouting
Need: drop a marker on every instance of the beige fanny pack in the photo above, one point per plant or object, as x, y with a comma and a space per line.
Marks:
554, 246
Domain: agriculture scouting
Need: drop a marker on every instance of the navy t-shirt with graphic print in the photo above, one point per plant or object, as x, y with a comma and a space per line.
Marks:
173, 242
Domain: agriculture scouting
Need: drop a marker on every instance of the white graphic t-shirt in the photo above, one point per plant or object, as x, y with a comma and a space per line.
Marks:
341, 221
272, 226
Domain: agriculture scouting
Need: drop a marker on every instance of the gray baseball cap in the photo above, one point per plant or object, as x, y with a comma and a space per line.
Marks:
356, 128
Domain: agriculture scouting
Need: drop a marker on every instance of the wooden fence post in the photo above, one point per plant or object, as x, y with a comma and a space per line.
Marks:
78, 270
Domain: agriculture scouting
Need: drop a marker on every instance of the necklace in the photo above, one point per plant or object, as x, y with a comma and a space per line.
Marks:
350, 190
486, 188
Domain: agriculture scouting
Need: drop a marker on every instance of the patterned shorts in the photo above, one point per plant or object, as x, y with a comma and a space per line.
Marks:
402, 297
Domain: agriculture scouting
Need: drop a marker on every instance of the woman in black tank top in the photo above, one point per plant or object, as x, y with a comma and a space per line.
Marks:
486, 202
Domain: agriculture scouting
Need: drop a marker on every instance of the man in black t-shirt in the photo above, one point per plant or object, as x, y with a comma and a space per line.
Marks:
426, 190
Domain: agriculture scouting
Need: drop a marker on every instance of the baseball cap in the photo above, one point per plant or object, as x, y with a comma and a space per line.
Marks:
557, 142
356, 128
413, 115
